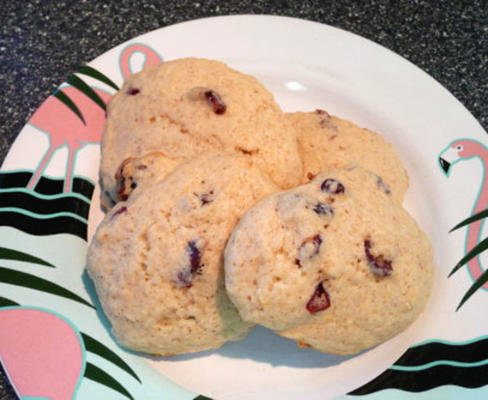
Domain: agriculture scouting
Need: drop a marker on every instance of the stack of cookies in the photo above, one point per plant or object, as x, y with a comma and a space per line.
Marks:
224, 212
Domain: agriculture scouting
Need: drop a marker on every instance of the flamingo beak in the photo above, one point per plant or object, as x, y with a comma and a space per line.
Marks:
445, 165
448, 157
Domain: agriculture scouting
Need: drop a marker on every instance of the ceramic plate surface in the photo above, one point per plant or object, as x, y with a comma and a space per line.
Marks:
54, 339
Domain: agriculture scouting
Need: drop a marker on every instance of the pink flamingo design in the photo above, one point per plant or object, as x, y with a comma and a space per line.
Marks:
64, 127
464, 149
151, 58
43, 353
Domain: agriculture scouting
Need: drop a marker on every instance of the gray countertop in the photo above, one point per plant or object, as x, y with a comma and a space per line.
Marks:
42, 42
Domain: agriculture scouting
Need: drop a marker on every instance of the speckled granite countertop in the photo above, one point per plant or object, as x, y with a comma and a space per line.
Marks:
42, 42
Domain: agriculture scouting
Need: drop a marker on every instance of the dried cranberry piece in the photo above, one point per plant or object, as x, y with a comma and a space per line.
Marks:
322, 113
383, 185
121, 188
309, 249
124, 178
323, 209
324, 118
121, 210
379, 265
211, 96
124, 189
332, 186
194, 267
319, 301
195, 257
133, 91
206, 198
218, 105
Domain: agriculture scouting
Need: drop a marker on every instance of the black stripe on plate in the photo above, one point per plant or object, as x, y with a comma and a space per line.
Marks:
419, 381
43, 227
14, 179
30, 202
426, 353
83, 187
55, 186
45, 185
4, 302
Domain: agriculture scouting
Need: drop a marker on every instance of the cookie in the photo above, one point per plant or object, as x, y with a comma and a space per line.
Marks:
157, 259
335, 264
187, 107
328, 142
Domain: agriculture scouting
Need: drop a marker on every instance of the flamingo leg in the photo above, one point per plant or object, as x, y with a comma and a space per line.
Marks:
40, 169
68, 179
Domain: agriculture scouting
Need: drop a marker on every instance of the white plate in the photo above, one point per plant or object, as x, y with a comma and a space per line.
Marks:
307, 66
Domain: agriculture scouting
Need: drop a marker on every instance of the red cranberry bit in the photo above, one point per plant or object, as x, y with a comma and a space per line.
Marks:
323, 209
332, 186
383, 185
206, 197
309, 249
322, 113
121, 189
195, 257
379, 265
133, 91
124, 179
218, 105
195, 265
319, 301
324, 117
121, 210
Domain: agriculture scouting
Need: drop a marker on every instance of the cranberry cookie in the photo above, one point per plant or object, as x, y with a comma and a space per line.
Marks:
157, 259
187, 107
335, 264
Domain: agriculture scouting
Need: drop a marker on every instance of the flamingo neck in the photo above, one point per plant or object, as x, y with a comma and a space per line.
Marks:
482, 200
474, 230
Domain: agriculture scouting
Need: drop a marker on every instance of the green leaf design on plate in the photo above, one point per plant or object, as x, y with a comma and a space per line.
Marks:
474, 287
479, 248
96, 374
60, 95
92, 72
473, 218
24, 279
9, 254
103, 351
4, 302
79, 84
